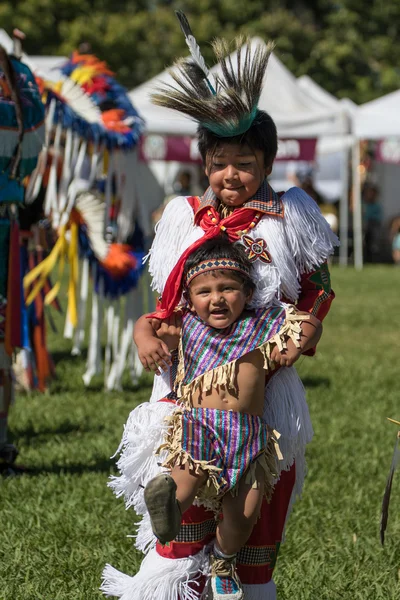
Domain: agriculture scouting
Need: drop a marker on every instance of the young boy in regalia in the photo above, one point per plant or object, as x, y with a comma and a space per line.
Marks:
289, 242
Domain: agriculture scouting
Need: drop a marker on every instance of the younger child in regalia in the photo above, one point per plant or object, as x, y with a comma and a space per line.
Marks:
220, 449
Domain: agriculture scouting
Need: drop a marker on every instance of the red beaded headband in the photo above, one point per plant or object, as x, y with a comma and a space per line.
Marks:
216, 264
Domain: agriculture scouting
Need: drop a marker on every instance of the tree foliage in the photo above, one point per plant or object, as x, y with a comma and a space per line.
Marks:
349, 47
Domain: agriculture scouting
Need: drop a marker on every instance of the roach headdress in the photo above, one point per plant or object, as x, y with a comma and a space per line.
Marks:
225, 104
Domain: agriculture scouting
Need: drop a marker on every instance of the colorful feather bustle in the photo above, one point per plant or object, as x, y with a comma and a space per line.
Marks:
92, 130
89, 83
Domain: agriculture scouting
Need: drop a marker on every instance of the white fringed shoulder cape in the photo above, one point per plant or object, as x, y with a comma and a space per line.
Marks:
298, 243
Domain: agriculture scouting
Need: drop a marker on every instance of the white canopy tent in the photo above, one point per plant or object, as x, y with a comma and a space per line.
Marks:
378, 119
340, 145
44, 66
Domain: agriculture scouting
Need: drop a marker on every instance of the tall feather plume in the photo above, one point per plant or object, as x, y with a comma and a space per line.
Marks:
388, 487
230, 108
191, 42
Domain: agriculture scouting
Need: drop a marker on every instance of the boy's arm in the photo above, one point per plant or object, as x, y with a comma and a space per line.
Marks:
316, 296
152, 350
311, 331
311, 242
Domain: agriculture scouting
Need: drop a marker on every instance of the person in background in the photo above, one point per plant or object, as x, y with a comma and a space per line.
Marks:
181, 186
395, 238
305, 180
372, 221
21, 112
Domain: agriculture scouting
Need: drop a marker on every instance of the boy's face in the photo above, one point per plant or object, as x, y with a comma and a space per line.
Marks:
218, 298
235, 172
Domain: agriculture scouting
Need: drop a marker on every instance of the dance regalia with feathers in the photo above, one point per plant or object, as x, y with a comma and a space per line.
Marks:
87, 175
21, 139
289, 243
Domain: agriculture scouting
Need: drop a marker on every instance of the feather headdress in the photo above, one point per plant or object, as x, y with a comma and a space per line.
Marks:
226, 106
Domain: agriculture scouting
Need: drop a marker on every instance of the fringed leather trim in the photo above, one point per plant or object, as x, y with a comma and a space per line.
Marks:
225, 375
209, 494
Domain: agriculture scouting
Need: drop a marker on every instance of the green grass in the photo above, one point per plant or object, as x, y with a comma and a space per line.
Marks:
61, 524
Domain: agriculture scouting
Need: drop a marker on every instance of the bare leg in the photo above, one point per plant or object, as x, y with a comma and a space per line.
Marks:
240, 514
187, 485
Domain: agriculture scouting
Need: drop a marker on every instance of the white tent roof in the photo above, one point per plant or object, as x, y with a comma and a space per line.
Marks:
44, 66
314, 90
296, 112
379, 118
158, 119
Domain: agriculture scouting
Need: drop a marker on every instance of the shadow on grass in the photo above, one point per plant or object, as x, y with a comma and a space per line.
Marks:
314, 382
62, 429
100, 466
65, 355
74, 383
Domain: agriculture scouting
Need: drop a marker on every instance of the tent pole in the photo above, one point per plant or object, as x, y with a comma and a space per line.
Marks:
357, 214
344, 210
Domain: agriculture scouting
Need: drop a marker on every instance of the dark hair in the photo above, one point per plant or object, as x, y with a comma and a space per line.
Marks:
218, 248
262, 135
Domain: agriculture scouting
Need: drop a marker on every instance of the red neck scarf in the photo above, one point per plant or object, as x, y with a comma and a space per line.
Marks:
265, 201
212, 224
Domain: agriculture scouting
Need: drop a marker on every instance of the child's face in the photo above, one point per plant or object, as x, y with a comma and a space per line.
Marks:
218, 298
235, 172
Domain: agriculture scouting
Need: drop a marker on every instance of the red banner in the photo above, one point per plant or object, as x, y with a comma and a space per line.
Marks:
184, 149
296, 149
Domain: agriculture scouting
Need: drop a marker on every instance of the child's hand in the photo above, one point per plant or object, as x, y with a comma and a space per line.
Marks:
169, 330
154, 355
287, 357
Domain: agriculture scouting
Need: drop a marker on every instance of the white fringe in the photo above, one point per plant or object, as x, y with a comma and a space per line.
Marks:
174, 233
286, 411
309, 237
280, 276
301, 472
145, 540
161, 386
159, 578
263, 591
83, 299
144, 432
50, 201
93, 363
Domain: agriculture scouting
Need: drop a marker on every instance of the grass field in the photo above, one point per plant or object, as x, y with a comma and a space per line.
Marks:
60, 524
